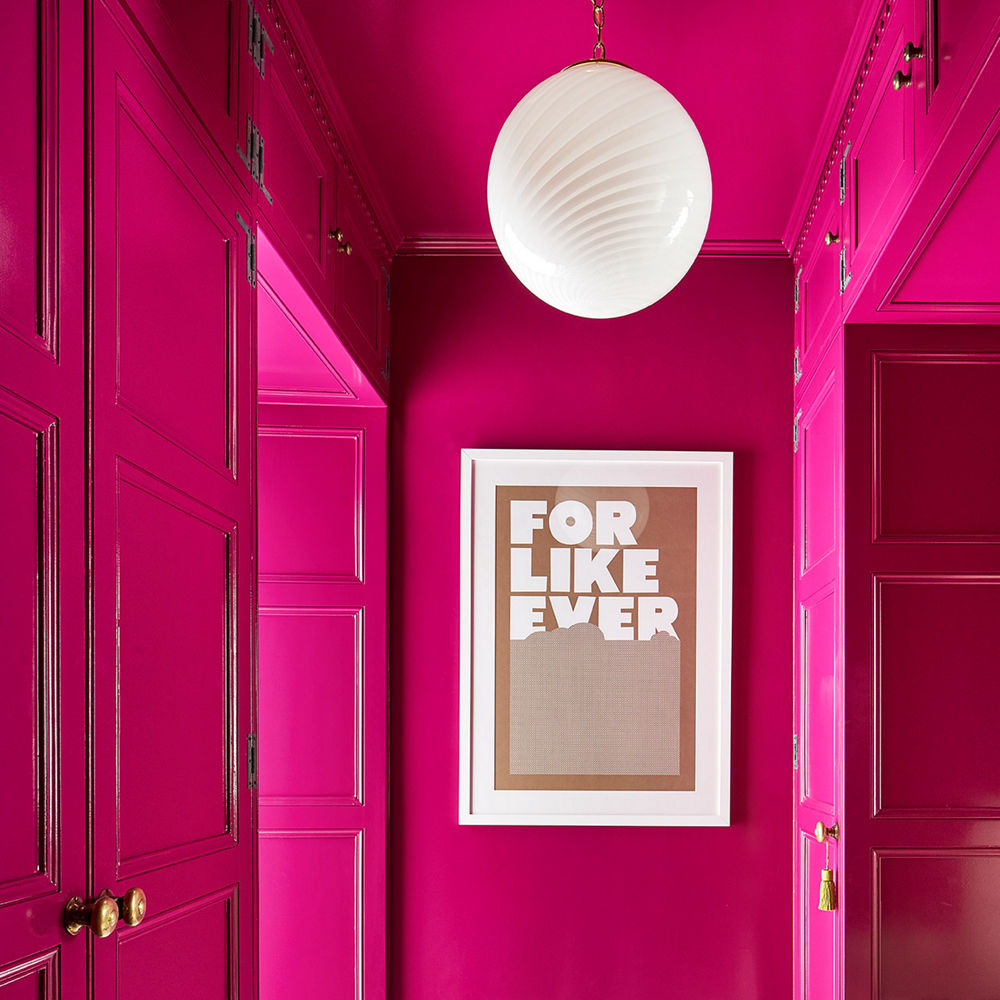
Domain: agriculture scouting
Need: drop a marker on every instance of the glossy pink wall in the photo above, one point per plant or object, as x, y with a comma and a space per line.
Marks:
496, 913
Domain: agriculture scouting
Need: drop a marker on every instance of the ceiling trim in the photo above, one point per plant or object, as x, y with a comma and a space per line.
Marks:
485, 246
332, 116
857, 61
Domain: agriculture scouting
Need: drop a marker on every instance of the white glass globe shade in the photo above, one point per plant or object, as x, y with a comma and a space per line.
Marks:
599, 190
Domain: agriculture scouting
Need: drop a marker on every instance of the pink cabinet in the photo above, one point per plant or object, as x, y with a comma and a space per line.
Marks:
359, 279
819, 281
958, 37
298, 174
206, 50
883, 160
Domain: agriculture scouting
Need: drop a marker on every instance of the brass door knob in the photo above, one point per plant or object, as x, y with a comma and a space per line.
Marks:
100, 916
345, 248
901, 79
132, 906
911, 52
831, 238
335, 234
823, 831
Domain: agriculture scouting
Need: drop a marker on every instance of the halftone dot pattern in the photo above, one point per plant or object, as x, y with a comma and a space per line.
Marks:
583, 704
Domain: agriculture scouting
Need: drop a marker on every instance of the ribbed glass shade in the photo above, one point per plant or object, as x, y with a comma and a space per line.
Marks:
599, 190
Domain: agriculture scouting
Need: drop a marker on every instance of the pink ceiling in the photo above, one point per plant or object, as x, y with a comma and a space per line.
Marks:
428, 85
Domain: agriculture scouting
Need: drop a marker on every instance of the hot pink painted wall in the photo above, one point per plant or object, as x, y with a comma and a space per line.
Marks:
501, 913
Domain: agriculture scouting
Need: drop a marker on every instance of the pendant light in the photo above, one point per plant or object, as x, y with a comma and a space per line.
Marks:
599, 188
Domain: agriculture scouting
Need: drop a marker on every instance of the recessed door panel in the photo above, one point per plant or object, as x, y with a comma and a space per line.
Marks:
35, 978
311, 689
318, 953
819, 700
310, 503
935, 920
937, 435
27, 172
936, 664
204, 48
199, 939
25, 638
172, 347
820, 433
175, 629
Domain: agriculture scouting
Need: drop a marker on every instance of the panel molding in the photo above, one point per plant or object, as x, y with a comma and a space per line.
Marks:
345, 396
357, 435
45, 965
880, 361
808, 561
340, 833
45, 427
45, 337
879, 581
357, 614
881, 854
225, 224
486, 246
893, 299
158, 489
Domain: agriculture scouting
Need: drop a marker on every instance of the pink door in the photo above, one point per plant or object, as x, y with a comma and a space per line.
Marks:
42, 583
172, 536
818, 666
321, 474
921, 858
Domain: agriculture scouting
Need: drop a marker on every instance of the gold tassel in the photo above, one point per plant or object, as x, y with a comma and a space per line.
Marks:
827, 890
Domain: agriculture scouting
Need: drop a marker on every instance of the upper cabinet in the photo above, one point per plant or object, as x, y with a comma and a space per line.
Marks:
360, 280
959, 36
296, 170
207, 48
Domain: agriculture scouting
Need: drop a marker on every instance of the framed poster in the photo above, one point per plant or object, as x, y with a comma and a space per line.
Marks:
596, 597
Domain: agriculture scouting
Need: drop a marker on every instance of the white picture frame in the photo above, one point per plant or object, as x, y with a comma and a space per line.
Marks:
623, 752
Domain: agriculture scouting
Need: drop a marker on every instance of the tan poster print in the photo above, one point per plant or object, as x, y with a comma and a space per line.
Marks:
595, 637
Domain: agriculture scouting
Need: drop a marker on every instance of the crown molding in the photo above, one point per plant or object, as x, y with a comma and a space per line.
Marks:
296, 39
485, 246
854, 69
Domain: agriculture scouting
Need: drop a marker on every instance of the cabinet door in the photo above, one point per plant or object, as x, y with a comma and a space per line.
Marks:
42, 583
299, 182
172, 540
359, 285
820, 283
958, 36
883, 158
204, 47
818, 488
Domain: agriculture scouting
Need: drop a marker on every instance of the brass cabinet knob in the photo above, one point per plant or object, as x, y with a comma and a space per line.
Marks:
132, 906
336, 234
901, 79
911, 52
823, 831
100, 916
345, 248
831, 238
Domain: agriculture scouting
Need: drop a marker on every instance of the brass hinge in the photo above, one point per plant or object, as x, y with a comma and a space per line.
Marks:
253, 157
258, 40
796, 367
798, 277
843, 172
795, 431
251, 272
795, 751
251, 760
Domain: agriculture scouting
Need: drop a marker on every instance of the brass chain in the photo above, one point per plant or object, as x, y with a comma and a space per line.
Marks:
599, 52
